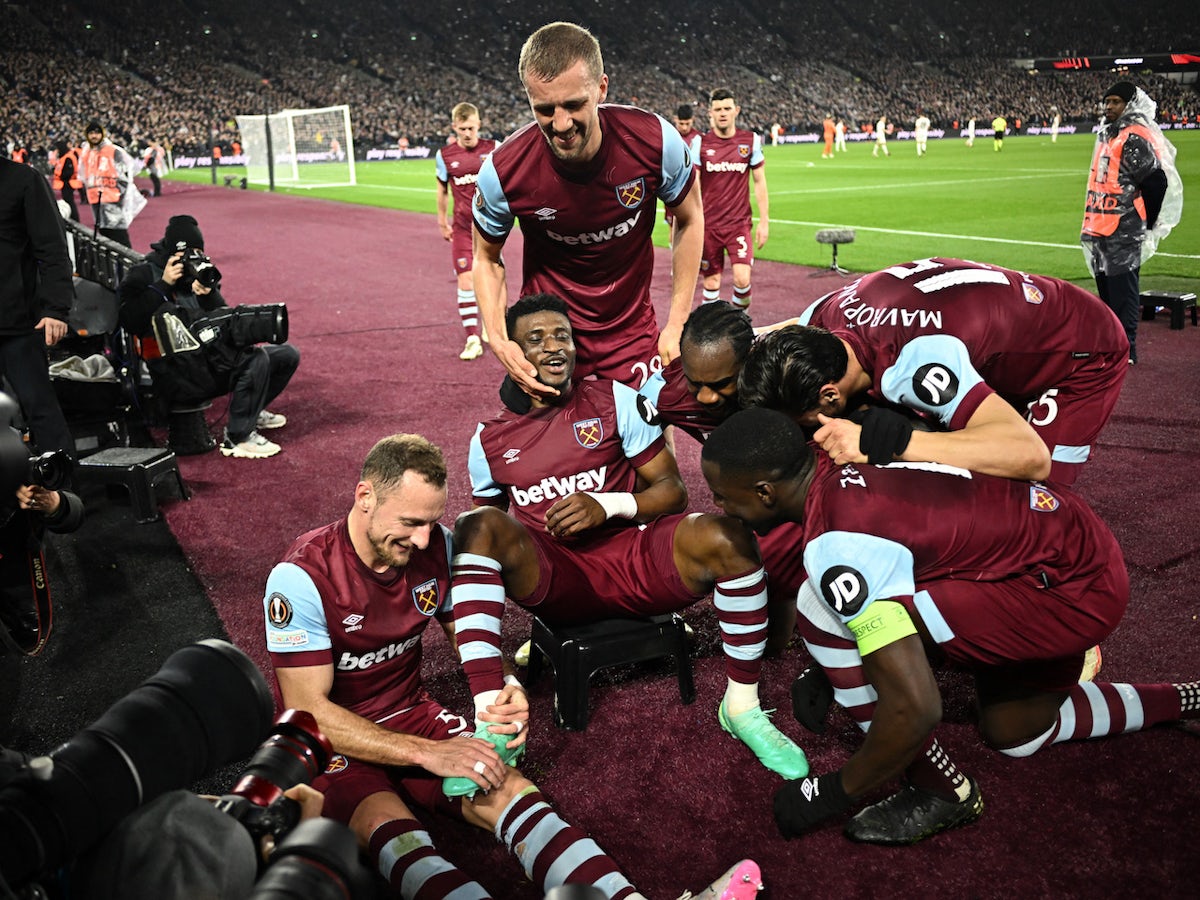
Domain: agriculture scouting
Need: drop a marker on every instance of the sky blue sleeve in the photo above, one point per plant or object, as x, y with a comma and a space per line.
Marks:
293, 612
676, 164
851, 570
483, 485
636, 433
756, 154
492, 216
653, 387
443, 175
933, 373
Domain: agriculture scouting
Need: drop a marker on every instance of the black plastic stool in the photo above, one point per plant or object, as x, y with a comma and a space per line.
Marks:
576, 652
187, 430
1177, 302
137, 468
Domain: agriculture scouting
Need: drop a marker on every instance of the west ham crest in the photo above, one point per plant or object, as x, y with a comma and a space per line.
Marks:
632, 193
589, 433
426, 597
744, 151
1032, 294
1041, 499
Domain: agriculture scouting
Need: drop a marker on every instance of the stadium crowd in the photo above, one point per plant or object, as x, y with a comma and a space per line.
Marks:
402, 67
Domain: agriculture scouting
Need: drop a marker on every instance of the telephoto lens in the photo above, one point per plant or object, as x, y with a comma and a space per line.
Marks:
296, 752
206, 707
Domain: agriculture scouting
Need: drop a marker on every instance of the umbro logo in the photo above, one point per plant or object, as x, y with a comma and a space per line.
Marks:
454, 165
510, 456
546, 213
353, 622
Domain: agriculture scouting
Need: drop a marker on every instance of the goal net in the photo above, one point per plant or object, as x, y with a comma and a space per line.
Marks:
311, 147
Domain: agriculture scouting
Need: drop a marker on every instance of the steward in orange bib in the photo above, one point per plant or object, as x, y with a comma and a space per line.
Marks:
1134, 199
66, 176
107, 174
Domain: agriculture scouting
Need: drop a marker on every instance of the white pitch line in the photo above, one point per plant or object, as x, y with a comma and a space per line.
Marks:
920, 184
958, 237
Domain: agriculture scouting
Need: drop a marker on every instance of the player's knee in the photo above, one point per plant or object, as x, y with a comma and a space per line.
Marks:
374, 811
725, 546
482, 529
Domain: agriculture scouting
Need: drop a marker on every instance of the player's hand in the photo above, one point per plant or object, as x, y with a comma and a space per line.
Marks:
668, 343
446, 232
173, 270
761, 233
200, 290
55, 329
512, 357
574, 514
839, 438
464, 756
509, 715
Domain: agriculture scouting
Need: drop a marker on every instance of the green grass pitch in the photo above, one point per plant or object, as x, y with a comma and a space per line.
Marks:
1020, 207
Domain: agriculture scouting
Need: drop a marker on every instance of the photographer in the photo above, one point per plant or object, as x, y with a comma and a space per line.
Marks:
176, 289
37, 504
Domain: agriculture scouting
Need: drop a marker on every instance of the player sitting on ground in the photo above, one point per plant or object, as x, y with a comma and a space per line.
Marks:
572, 551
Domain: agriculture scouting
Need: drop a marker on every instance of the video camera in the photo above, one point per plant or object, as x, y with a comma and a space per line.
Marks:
198, 267
203, 709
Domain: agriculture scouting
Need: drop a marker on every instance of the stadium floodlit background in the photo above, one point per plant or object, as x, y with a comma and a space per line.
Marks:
400, 67
1021, 207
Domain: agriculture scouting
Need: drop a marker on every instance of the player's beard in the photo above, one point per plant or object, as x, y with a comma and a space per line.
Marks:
580, 134
386, 551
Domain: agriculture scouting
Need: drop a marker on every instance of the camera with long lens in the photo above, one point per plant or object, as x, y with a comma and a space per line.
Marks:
203, 709
296, 752
206, 707
198, 267
243, 326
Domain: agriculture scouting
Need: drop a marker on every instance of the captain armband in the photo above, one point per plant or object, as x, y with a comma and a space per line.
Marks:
616, 504
884, 622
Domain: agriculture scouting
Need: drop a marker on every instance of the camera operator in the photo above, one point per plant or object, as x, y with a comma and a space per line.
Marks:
179, 282
38, 503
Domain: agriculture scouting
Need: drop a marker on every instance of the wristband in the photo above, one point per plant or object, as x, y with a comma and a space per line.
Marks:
512, 679
885, 435
620, 504
799, 805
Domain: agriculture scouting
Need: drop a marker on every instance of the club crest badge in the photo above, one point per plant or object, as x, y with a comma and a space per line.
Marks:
337, 763
426, 597
1032, 294
589, 433
1041, 499
744, 151
632, 193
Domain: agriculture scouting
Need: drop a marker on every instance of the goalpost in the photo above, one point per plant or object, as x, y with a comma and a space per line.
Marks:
311, 147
